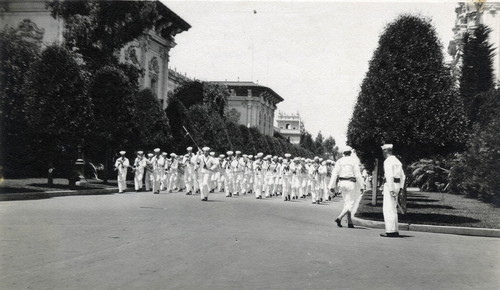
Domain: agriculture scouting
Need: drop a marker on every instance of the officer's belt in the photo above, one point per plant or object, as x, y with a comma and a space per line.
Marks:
396, 180
353, 179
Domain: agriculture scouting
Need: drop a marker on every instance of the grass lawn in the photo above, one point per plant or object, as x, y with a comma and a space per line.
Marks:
434, 208
40, 184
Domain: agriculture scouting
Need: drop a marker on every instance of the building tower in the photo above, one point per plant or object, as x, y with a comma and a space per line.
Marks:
290, 126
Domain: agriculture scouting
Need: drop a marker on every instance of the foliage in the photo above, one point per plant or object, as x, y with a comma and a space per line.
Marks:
430, 174
60, 111
407, 97
16, 57
113, 100
150, 123
196, 92
307, 142
318, 144
208, 127
331, 150
477, 70
476, 171
177, 115
99, 28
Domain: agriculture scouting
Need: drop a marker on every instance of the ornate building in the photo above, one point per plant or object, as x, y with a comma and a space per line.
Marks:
149, 52
290, 126
469, 15
254, 103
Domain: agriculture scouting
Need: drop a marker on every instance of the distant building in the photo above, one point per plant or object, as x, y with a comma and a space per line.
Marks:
150, 52
254, 103
290, 126
469, 16
176, 79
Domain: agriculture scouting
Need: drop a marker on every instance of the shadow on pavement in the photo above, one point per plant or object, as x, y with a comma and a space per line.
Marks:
421, 218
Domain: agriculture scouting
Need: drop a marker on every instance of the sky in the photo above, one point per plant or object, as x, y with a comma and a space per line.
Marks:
314, 54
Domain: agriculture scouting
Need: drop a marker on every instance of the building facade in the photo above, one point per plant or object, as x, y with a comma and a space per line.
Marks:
254, 103
149, 52
469, 16
290, 126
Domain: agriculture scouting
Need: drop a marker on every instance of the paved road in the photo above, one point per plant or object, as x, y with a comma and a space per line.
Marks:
173, 241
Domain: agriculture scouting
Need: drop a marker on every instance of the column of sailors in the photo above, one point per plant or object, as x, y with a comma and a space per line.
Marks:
233, 173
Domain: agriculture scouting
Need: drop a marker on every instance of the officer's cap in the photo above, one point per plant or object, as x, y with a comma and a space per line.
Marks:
387, 146
347, 149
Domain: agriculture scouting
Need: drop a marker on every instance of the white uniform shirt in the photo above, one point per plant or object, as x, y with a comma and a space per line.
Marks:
346, 167
393, 168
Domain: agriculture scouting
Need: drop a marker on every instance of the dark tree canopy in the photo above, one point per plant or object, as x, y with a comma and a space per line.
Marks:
60, 111
16, 57
196, 92
477, 70
407, 97
99, 28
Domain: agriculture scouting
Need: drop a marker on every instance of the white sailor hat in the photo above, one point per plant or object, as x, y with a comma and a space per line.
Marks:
122, 152
387, 146
157, 150
288, 155
347, 149
244, 155
323, 162
237, 152
296, 159
140, 152
280, 158
212, 153
205, 148
266, 157
229, 153
250, 156
275, 157
221, 156
173, 155
164, 153
260, 154
321, 159
316, 158
150, 155
189, 149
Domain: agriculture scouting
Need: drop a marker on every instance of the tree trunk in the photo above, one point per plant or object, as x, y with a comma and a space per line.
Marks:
375, 183
106, 168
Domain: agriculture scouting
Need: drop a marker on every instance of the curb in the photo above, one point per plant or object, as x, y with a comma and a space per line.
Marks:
480, 232
56, 193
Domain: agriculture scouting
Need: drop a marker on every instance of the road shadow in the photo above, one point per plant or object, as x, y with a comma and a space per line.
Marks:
17, 190
413, 205
422, 218
410, 199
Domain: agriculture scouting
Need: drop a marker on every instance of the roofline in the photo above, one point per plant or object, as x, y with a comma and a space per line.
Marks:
245, 84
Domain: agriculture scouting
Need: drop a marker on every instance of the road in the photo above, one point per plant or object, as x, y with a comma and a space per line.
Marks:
174, 241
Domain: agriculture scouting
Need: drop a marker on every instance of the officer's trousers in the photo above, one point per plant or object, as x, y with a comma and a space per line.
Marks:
139, 174
390, 210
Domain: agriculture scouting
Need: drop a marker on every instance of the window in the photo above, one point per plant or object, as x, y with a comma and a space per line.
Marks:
287, 126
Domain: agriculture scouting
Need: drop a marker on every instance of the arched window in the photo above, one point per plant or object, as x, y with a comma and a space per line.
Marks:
287, 126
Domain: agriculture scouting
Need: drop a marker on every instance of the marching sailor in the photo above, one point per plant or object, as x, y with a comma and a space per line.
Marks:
394, 182
286, 175
229, 176
148, 175
158, 170
347, 176
121, 166
258, 176
173, 181
139, 165
189, 171
206, 166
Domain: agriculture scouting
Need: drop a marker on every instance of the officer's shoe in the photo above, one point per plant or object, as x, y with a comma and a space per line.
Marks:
351, 226
390, 235
338, 222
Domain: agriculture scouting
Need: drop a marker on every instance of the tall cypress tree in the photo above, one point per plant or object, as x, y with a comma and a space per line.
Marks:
407, 97
477, 70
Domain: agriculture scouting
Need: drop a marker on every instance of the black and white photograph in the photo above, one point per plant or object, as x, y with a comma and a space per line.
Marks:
265, 144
